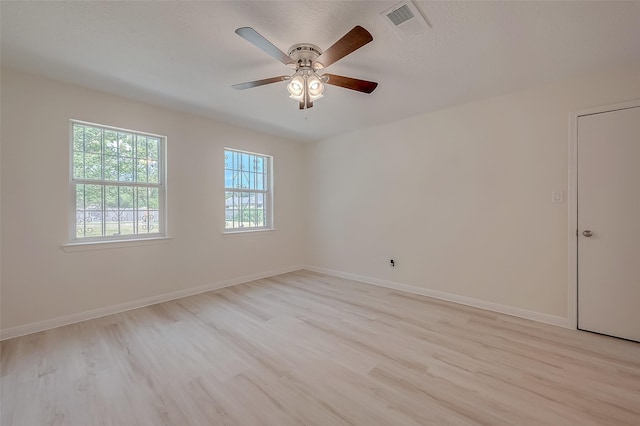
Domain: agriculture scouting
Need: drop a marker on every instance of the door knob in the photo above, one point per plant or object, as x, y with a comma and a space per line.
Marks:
587, 233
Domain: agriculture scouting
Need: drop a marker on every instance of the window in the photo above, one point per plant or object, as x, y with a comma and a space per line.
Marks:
247, 189
118, 183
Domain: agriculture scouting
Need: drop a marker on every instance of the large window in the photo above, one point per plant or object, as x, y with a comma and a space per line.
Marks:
247, 188
118, 183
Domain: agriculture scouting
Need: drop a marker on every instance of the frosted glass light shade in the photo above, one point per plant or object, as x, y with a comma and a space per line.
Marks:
296, 87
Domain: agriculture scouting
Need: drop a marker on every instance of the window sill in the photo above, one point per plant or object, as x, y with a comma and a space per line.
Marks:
247, 232
102, 245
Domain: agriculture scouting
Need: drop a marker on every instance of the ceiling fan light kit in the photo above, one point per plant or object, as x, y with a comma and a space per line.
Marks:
306, 85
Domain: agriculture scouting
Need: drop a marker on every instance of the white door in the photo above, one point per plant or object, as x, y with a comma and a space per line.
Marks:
609, 223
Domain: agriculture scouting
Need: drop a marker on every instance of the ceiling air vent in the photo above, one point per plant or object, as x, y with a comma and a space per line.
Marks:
400, 15
405, 18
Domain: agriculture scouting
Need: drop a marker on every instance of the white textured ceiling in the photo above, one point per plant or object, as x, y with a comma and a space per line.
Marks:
185, 55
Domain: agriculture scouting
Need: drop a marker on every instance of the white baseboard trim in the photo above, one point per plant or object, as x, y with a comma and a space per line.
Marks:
463, 300
38, 326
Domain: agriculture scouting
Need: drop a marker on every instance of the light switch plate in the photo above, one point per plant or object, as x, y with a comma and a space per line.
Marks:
557, 197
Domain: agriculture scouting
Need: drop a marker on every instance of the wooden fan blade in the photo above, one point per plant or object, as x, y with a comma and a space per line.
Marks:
253, 37
309, 104
350, 83
352, 41
250, 84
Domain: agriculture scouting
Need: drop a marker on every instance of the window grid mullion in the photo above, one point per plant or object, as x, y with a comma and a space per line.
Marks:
119, 214
134, 154
114, 183
84, 209
84, 186
254, 209
267, 200
233, 207
135, 209
84, 152
103, 190
146, 149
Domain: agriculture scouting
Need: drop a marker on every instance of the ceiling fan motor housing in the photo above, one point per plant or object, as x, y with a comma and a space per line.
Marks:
303, 55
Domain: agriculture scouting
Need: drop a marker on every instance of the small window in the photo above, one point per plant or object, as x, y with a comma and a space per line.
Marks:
118, 183
247, 190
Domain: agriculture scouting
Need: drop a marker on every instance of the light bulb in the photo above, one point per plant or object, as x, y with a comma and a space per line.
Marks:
296, 88
315, 87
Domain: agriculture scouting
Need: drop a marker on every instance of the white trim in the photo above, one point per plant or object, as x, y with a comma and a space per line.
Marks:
572, 197
38, 326
449, 297
110, 244
572, 244
251, 231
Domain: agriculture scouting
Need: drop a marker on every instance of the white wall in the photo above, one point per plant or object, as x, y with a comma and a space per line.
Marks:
41, 282
461, 198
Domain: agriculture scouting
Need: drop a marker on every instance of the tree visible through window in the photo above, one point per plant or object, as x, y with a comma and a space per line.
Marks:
247, 182
118, 183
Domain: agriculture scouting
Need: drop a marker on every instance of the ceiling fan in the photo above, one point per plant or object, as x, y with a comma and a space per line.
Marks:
305, 85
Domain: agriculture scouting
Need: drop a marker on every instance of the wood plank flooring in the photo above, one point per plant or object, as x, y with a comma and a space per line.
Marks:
310, 349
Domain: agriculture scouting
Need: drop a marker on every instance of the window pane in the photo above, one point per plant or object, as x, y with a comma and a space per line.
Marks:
153, 223
153, 148
111, 142
78, 138
244, 210
125, 169
261, 181
93, 197
110, 167
141, 146
142, 218
126, 212
93, 166
141, 170
229, 210
228, 179
92, 224
125, 144
148, 212
111, 207
245, 169
154, 172
93, 140
89, 211
78, 165
80, 203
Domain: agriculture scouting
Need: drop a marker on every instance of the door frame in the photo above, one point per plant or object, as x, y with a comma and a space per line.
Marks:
572, 197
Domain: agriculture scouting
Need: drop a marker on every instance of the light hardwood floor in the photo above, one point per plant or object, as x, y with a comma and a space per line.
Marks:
310, 349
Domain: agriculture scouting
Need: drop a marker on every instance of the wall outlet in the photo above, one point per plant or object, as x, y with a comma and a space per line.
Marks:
392, 263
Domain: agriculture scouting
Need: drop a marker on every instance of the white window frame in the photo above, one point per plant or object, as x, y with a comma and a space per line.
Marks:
267, 194
161, 186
